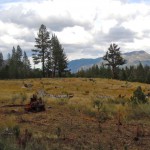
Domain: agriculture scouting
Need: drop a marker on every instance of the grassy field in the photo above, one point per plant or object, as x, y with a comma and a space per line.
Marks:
99, 116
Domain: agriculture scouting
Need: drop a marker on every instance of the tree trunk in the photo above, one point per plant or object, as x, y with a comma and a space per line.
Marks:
59, 73
43, 65
114, 74
54, 72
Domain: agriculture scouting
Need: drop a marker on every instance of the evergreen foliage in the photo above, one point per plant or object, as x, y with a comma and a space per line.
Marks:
26, 69
95, 72
114, 59
50, 52
137, 73
42, 45
1, 60
138, 96
16, 66
58, 57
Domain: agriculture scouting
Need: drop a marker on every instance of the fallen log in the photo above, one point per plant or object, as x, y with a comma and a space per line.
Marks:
19, 105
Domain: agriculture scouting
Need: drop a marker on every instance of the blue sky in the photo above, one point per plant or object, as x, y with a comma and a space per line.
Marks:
84, 28
138, 1
135, 1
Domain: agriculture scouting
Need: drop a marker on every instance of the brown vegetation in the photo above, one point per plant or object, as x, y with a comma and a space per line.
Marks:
96, 117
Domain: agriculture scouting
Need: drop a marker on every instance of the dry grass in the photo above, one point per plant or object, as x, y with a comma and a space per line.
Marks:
77, 118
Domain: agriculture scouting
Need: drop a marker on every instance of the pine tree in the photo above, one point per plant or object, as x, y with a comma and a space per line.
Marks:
140, 73
132, 74
122, 74
26, 65
1, 60
62, 62
18, 54
19, 62
138, 96
42, 45
114, 59
58, 62
48, 65
148, 77
13, 64
16, 66
54, 53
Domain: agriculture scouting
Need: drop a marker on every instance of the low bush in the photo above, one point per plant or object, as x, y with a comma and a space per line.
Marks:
138, 97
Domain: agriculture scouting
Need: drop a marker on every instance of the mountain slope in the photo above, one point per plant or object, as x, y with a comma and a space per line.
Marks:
133, 58
75, 65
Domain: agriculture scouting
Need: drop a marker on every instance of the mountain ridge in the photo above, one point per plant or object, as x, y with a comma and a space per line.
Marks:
133, 58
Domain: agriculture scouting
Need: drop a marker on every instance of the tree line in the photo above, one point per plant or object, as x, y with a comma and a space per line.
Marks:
16, 66
48, 51
110, 68
137, 73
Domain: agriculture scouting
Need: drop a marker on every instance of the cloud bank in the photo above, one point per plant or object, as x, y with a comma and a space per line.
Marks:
85, 28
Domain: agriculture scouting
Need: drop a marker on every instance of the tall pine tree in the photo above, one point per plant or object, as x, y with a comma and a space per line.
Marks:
58, 58
42, 45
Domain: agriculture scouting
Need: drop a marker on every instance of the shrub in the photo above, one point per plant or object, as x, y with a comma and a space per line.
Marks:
98, 104
138, 96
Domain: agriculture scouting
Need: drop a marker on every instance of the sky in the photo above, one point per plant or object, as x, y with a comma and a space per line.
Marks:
85, 28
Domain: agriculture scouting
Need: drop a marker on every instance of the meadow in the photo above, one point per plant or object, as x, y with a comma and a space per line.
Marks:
99, 115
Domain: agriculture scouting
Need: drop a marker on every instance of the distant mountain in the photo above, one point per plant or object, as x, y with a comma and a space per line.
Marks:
133, 58
77, 64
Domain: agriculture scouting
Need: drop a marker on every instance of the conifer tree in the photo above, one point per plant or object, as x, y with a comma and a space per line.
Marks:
57, 58
114, 58
26, 65
18, 54
42, 45
1, 60
12, 64
140, 71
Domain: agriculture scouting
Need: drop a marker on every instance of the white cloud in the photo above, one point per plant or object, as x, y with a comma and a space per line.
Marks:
85, 28
74, 35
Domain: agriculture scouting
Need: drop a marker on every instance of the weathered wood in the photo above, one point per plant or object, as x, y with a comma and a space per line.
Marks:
19, 105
